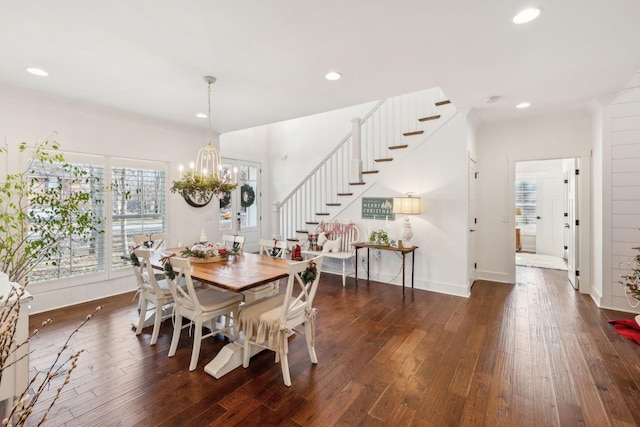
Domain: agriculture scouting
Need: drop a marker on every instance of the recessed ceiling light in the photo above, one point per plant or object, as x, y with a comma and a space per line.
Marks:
333, 75
527, 15
201, 115
37, 71
523, 105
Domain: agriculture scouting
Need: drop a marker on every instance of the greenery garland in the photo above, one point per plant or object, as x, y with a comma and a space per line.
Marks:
309, 275
250, 196
168, 270
134, 259
193, 186
225, 199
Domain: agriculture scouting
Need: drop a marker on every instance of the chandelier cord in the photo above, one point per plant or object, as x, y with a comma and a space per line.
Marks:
209, 116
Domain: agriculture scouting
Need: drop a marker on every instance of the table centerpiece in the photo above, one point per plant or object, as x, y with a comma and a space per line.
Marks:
206, 252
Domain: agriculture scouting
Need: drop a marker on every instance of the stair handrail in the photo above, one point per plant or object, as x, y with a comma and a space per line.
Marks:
331, 153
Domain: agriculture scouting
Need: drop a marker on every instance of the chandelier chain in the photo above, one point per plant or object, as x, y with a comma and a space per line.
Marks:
209, 116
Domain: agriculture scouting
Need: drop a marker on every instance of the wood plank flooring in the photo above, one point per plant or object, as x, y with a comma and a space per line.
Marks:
534, 354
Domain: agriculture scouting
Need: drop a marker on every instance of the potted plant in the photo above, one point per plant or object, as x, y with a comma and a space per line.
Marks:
379, 237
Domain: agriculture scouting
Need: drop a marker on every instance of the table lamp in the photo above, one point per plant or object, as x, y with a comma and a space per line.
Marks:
406, 206
518, 213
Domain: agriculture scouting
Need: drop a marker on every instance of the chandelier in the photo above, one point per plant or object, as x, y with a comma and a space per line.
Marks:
203, 180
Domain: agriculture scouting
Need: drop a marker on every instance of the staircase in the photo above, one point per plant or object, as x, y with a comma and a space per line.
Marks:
387, 134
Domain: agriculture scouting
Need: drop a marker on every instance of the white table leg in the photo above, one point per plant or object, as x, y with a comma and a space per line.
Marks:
229, 358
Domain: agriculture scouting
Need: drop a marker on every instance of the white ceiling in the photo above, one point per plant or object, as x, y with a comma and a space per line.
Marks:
149, 56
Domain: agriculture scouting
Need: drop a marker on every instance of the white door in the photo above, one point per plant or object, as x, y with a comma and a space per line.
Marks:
572, 218
550, 217
240, 211
473, 222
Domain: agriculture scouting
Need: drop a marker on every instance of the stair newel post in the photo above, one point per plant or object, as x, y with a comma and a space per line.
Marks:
275, 221
356, 151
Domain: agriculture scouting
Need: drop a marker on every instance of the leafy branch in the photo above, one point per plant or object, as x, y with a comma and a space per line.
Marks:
39, 212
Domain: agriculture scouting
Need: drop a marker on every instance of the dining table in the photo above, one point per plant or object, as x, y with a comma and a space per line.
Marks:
237, 273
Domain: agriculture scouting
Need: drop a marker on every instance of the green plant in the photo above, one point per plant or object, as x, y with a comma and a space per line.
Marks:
631, 281
379, 237
40, 215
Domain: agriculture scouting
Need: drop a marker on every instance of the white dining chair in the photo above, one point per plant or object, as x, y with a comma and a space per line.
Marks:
152, 242
273, 249
151, 291
233, 243
201, 307
269, 322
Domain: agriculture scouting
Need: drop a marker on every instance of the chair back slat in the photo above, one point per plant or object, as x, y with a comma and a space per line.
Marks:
273, 248
152, 242
232, 242
149, 282
299, 295
186, 297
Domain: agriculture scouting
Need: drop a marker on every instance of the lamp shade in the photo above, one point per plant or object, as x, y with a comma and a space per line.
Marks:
518, 211
406, 205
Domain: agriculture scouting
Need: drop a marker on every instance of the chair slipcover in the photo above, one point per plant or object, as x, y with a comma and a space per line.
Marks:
270, 321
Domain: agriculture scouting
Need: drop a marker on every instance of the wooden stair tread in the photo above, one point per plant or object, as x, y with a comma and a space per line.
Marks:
357, 183
323, 213
302, 231
369, 172
397, 147
345, 194
415, 132
311, 222
386, 159
292, 239
439, 103
334, 204
424, 119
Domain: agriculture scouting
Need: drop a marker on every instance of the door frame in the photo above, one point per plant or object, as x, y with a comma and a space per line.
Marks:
252, 234
582, 213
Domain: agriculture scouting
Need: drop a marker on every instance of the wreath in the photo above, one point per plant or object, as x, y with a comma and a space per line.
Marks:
225, 199
247, 196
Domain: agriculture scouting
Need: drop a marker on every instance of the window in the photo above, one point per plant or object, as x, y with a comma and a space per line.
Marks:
128, 194
79, 254
526, 200
138, 207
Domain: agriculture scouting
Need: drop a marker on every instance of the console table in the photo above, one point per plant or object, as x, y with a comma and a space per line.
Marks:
404, 251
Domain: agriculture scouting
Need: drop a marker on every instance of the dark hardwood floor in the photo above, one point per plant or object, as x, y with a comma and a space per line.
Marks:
537, 353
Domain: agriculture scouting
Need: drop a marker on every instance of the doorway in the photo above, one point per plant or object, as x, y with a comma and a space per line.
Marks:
546, 214
240, 210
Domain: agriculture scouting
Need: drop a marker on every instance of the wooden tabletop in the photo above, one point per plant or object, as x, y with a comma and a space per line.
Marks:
237, 274
404, 249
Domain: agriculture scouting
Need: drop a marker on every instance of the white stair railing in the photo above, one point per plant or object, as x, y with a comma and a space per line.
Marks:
330, 185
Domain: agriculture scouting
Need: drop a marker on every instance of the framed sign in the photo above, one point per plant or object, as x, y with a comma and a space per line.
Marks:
377, 208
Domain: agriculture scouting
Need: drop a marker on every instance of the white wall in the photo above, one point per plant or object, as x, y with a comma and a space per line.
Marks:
500, 146
598, 183
620, 191
82, 129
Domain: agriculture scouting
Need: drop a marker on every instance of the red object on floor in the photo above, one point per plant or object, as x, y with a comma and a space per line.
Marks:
628, 328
